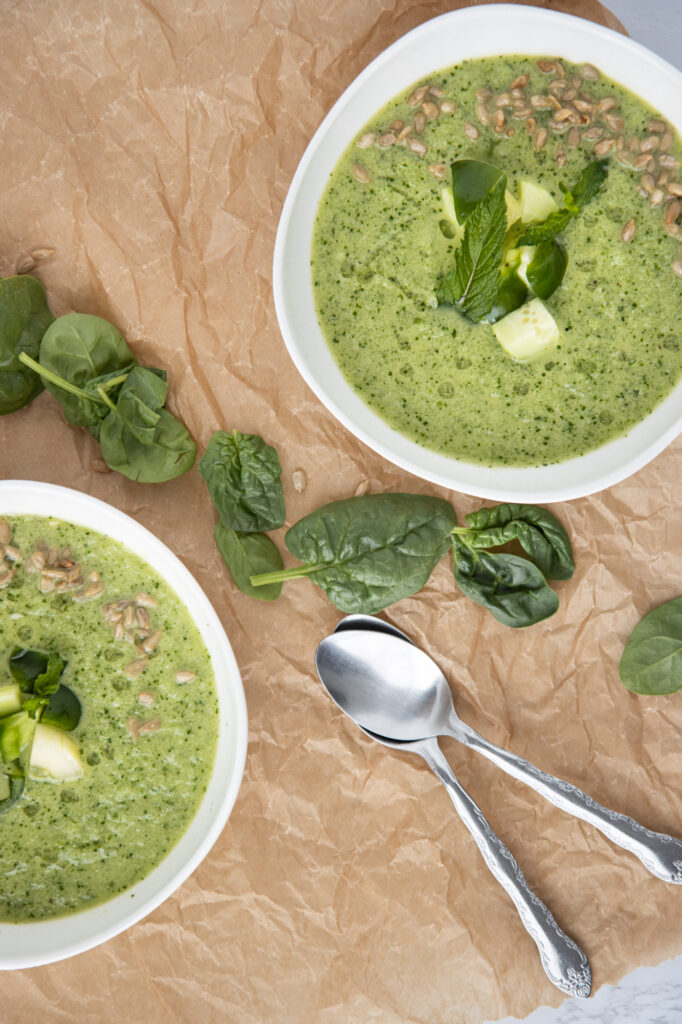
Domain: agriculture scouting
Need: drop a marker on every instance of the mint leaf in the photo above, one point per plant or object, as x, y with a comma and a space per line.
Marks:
48, 681
585, 189
472, 285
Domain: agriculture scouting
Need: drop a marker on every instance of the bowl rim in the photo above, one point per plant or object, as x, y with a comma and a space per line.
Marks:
576, 477
31, 944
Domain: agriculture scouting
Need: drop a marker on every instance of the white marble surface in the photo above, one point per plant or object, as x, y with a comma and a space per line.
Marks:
650, 995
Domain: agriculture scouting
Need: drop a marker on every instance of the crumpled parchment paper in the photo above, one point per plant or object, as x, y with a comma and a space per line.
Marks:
150, 143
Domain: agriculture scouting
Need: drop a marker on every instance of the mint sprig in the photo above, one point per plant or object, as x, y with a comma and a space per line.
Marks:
471, 285
584, 190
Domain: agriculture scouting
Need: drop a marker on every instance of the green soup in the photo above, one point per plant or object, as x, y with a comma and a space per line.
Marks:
147, 743
382, 241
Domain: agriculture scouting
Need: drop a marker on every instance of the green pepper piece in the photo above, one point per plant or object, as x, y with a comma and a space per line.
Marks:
471, 182
511, 293
15, 731
546, 270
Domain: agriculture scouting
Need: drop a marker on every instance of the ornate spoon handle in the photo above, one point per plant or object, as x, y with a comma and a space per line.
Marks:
660, 853
564, 962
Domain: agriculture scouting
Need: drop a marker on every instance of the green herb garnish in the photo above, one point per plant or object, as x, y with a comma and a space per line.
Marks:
24, 318
471, 286
585, 189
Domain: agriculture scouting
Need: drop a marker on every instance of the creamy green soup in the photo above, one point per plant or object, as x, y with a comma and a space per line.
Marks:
381, 242
147, 741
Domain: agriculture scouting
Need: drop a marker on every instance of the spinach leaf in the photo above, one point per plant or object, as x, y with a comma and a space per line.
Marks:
243, 476
81, 349
513, 589
368, 552
39, 675
585, 189
539, 533
472, 285
652, 659
139, 438
246, 555
24, 318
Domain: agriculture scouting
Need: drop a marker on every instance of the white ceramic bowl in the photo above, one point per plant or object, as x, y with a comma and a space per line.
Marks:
42, 942
440, 43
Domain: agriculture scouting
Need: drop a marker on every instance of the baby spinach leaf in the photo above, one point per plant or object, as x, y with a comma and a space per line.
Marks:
63, 709
546, 270
652, 659
243, 476
81, 349
472, 285
585, 189
39, 675
24, 318
368, 552
141, 439
246, 555
513, 589
539, 533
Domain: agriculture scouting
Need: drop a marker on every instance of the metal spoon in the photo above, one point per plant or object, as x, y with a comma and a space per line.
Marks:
565, 964
392, 688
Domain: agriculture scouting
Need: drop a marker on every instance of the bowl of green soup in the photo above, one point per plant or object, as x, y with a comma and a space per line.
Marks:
122, 723
478, 267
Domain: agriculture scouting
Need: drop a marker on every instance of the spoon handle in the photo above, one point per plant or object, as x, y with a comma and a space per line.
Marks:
564, 962
659, 853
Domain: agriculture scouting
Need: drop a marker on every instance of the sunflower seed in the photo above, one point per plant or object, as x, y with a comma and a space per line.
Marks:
185, 676
540, 138
53, 557
666, 141
404, 133
43, 254
650, 144
46, 585
616, 124
642, 161
419, 122
94, 576
146, 600
119, 632
673, 211
6, 576
361, 489
573, 138
366, 140
560, 155
470, 130
142, 616
133, 727
430, 109
647, 182
448, 107
607, 103
521, 113
499, 121
557, 87
510, 131
26, 265
593, 133
560, 69
662, 178
438, 170
674, 188
521, 82
436, 91
361, 173
666, 160
563, 114
517, 94
540, 102
503, 100
576, 82
485, 94
151, 642
569, 95
546, 66
677, 268
417, 146
14, 554
531, 125
658, 125
153, 725
628, 232
415, 98
134, 668
146, 698
657, 197
55, 574
397, 125
482, 113
590, 73
584, 107
384, 141
604, 147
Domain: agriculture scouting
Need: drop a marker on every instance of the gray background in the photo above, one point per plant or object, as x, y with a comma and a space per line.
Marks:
650, 995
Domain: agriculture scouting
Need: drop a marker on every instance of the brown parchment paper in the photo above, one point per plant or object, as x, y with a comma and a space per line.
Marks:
151, 143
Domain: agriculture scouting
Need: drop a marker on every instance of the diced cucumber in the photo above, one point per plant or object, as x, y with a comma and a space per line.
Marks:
15, 731
527, 332
10, 699
513, 207
54, 755
536, 202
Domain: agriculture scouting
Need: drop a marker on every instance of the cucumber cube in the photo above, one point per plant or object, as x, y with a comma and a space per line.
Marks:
527, 332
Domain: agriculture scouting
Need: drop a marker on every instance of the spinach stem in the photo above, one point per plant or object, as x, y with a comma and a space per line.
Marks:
54, 379
264, 578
